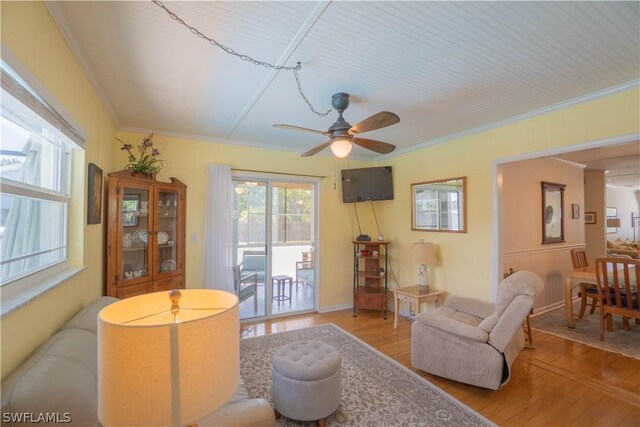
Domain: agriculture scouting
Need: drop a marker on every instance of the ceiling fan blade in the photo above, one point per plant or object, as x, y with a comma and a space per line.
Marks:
373, 145
377, 121
317, 149
291, 127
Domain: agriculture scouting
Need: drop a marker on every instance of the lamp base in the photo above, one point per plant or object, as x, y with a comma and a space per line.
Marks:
423, 279
423, 288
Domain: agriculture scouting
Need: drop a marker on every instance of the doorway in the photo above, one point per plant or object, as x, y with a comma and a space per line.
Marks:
274, 234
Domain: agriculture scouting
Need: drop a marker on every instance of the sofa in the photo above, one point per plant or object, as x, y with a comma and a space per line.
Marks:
58, 383
623, 247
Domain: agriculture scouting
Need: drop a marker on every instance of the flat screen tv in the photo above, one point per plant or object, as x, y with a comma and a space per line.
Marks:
364, 184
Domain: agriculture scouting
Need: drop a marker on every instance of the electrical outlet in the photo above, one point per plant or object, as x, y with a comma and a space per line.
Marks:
194, 238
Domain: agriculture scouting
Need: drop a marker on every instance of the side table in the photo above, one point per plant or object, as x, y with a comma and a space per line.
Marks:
280, 282
415, 297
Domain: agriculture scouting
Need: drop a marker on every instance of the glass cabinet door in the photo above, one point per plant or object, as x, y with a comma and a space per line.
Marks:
135, 224
167, 231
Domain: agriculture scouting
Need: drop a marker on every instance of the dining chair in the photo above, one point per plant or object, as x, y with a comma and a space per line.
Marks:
587, 290
617, 280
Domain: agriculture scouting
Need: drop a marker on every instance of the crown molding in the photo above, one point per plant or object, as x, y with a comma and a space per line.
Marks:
534, 113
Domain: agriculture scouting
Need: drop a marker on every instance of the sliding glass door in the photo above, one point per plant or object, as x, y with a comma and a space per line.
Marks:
274, 228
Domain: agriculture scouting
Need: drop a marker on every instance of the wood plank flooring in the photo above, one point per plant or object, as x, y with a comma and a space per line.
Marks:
559, 383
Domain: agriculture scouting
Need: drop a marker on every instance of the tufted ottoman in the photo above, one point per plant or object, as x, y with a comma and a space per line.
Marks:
306, 380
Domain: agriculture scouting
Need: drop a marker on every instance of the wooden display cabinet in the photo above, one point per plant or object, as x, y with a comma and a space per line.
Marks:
146, 234
370, 264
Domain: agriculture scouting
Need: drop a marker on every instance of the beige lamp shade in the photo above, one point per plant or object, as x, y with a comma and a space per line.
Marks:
423, 253
613, 222
157, 369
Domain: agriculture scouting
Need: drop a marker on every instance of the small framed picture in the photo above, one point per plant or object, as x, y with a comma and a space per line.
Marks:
590, 218
94, 194
575, 211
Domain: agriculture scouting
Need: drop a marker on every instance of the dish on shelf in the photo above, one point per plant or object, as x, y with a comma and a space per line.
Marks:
168, 265
163, 237
140, 237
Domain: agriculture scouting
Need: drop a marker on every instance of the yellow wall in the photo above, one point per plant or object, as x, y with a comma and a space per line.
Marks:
467, 260
33, 38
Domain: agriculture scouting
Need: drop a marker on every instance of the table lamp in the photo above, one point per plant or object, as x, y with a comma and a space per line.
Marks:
423, 254
167, 358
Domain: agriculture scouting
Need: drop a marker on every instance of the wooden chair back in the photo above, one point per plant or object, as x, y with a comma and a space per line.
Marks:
579, 258
617, 281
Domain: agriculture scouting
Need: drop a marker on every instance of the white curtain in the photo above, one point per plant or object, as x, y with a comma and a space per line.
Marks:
218, 235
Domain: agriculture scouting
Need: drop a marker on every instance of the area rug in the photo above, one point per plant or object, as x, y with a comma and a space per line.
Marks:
587, 331
376, 390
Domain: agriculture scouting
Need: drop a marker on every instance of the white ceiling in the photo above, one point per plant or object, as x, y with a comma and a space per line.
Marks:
444, 67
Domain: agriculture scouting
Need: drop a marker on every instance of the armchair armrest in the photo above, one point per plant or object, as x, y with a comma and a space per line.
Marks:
253, 278
451, 326
474, 307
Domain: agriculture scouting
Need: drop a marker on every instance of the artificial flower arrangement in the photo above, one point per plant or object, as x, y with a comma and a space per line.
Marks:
147, 163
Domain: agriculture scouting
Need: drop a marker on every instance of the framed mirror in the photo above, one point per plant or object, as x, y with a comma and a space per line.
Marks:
552, 212
439, 205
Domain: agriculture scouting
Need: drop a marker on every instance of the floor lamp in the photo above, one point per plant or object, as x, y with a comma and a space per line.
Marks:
167, 358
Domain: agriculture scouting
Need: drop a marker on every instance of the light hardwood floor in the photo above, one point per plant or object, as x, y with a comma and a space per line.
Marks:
559, 383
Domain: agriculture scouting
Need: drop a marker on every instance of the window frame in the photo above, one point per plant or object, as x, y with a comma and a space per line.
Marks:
19, 84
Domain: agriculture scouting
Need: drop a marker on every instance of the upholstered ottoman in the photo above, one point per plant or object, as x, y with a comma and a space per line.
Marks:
306, 380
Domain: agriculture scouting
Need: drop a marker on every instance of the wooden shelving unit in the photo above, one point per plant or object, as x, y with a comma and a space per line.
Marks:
370, 267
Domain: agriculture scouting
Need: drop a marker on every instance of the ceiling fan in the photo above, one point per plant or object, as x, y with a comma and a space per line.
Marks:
341, 134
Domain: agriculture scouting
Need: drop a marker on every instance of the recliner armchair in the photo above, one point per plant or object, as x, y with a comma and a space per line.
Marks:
475, 342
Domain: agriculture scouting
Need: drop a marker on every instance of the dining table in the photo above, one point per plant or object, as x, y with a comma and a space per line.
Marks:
574, 278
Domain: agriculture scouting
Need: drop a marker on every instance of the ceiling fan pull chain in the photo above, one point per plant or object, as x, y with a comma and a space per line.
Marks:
295, 73
243, 57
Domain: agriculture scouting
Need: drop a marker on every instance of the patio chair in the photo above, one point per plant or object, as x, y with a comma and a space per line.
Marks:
246, 286
253, 262
305, 271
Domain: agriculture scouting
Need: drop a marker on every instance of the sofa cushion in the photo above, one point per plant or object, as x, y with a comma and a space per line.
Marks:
87, 318
59, 378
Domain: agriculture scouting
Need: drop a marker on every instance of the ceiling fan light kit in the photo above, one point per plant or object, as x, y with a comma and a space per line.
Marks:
342, 135
341, 147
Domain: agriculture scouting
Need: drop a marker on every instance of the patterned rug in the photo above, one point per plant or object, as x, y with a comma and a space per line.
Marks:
587, 331
376, 390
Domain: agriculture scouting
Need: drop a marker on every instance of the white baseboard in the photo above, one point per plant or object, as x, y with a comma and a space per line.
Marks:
335, 308
548, 308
